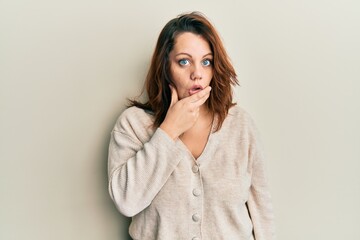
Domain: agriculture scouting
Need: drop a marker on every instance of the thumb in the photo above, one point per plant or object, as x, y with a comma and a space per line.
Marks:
174, 96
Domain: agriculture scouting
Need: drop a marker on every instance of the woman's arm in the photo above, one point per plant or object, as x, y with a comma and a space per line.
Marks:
138, 171
260, 203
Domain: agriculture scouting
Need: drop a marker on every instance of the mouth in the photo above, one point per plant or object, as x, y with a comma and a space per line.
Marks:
194, 89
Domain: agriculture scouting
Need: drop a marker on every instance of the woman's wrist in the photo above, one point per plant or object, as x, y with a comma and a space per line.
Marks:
169, 131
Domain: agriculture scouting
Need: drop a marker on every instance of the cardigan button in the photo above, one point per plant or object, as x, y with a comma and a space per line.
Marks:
196, 217
195, 168
196, 192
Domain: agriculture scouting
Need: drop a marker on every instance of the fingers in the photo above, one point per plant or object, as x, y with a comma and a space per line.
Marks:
200, 98
174, 96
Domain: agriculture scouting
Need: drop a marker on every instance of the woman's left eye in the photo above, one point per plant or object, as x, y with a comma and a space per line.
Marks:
206, 62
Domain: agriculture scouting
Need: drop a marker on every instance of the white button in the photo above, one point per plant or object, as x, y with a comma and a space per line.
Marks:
196, 192
195, 168
196, 217
195, 238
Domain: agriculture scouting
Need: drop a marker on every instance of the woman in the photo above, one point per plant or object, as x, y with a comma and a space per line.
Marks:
187, 164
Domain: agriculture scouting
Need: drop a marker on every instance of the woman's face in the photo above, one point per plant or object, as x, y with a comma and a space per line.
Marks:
191, 64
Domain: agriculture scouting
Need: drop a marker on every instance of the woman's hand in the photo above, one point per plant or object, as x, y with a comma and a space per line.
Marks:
183, 114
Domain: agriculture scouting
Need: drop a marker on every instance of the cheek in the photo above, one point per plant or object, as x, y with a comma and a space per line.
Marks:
209, 75
211, 72
174, 74
179, 76
180, 84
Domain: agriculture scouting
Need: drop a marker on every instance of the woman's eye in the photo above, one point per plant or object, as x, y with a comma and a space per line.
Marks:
206, 62
184, 62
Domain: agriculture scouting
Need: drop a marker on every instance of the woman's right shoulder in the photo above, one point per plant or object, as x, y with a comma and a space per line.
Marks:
135, 111
134, 118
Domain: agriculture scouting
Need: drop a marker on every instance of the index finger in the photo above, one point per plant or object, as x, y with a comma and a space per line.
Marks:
200, 96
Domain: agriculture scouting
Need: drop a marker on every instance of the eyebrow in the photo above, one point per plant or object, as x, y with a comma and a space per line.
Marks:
191, 56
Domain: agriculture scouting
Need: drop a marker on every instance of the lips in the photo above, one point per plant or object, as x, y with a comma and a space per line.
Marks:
194, 89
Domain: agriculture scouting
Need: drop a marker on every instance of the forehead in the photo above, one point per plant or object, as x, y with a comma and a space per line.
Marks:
188, 42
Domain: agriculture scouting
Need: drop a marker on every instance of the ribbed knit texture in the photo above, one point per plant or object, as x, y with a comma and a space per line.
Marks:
170, 195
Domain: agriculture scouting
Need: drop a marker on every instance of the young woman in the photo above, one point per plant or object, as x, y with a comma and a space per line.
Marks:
187, 164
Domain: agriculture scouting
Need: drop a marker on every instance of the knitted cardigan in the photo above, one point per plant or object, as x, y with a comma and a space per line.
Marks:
223, 194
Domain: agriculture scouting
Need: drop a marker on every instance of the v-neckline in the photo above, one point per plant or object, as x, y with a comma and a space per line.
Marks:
198, 159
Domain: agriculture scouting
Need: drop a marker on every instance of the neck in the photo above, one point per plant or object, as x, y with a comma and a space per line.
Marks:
205, 117
204, 111
203, 123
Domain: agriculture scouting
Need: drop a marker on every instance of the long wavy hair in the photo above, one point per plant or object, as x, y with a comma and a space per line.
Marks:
158, 77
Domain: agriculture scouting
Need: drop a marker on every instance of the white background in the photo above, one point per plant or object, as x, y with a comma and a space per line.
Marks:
67, 67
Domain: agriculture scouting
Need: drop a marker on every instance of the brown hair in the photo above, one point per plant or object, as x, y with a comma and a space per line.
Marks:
158, 77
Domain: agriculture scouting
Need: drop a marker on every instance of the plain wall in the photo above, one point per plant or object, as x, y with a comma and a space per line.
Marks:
67, 68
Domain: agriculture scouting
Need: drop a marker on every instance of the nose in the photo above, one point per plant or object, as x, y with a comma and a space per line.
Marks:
196, 73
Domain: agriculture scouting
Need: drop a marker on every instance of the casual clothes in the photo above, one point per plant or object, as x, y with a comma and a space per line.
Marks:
170, 195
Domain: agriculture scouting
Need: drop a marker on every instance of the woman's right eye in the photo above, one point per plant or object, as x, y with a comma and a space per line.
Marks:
184, 62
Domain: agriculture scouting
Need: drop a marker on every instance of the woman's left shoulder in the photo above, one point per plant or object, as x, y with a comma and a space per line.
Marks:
240, 121
238, 114
238, 129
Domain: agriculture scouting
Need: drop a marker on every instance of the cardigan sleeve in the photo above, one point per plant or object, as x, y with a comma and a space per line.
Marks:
259, 202
137, 171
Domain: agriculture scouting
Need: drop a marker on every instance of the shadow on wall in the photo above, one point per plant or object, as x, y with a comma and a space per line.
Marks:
121, 222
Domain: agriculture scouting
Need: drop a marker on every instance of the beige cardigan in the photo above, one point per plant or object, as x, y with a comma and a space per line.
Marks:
170, 195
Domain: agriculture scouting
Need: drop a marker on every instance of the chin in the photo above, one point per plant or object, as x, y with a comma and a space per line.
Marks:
183, 95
